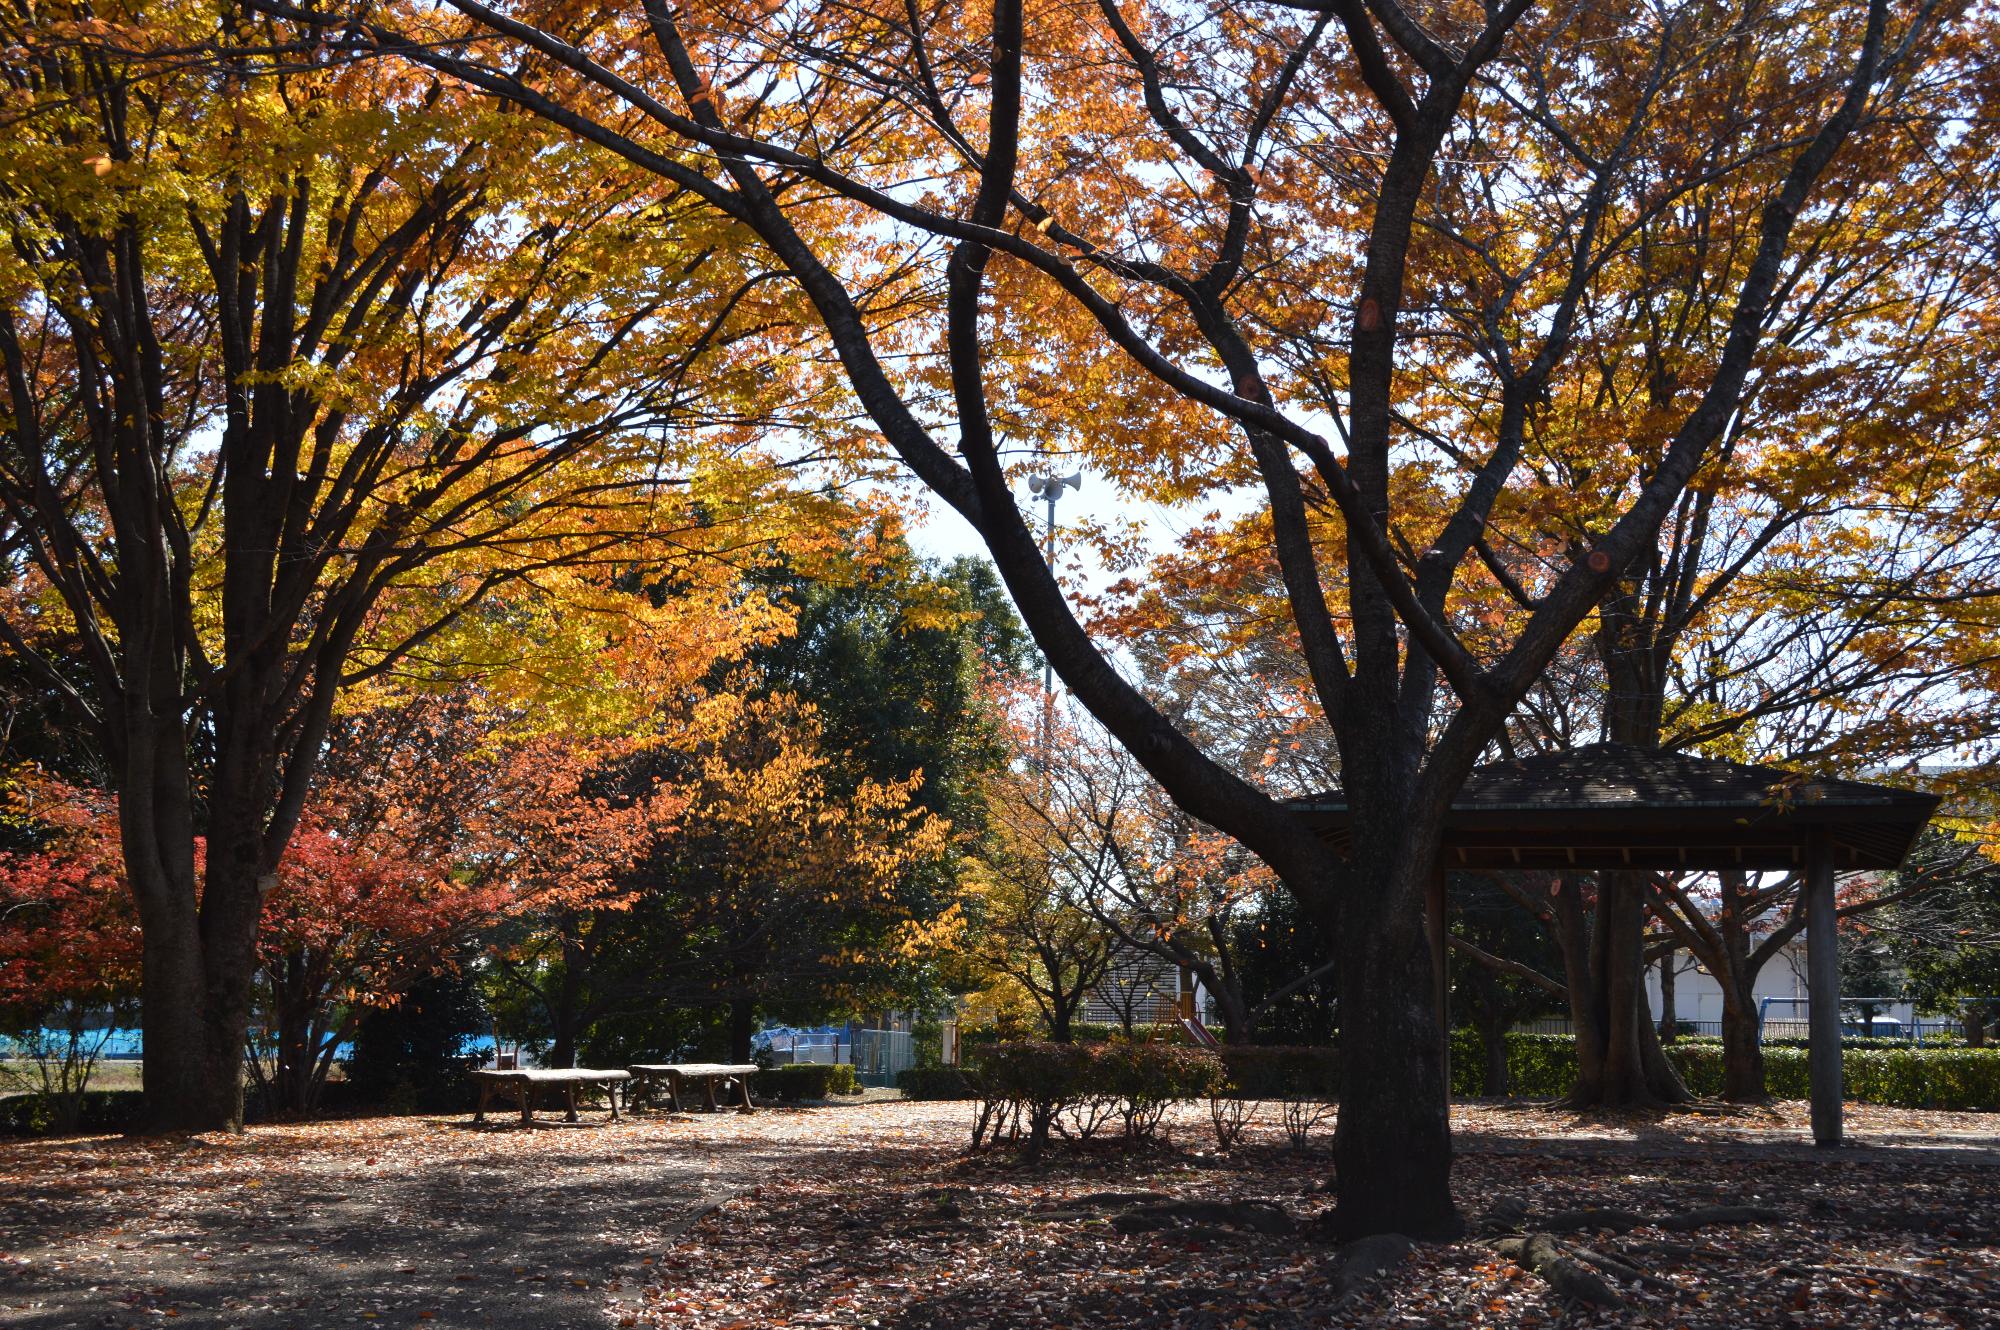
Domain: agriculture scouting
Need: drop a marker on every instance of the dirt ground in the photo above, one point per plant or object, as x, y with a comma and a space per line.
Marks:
870, 1214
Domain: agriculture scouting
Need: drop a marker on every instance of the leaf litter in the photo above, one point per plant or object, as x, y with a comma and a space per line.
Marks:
873, 1216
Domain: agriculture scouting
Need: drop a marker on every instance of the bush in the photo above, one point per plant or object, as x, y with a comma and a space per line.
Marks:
1846, 1041
100, 1112
1282, 1071
1899, 1075
935, 1083
804, 1081
1030, 1079
1036, 1084
1144, 1078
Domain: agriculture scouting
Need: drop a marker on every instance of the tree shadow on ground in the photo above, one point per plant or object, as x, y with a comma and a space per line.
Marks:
489, 1234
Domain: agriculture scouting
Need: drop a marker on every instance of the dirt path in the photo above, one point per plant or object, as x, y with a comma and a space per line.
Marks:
704, 1220
386, 1221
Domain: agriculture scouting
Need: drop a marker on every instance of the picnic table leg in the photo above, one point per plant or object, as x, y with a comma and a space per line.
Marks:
485, 1093
708, 1093
569, 1099
611, 1093
674, 1091
527, 1092
743, 1087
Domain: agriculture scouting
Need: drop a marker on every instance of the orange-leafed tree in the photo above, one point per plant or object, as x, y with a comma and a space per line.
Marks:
428, 826
1338, 258
302, 361
777, 879
69, 944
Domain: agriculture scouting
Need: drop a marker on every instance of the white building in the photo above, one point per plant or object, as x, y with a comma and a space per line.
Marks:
1780, 991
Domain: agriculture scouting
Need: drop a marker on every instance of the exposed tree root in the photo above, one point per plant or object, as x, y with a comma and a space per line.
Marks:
1561, 1268
1266, 1217
1362, 1261
1510, 1214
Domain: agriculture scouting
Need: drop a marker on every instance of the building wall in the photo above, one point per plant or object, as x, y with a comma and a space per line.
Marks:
1698, 998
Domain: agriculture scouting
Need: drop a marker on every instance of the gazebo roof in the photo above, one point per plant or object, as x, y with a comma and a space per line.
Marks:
1615, 806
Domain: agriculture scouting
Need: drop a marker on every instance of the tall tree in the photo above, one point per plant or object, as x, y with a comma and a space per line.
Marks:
885, 677
281, 334
1357, 234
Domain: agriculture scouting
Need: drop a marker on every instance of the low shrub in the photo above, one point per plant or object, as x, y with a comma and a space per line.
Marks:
99, 1112
1144, 1078
935, 1083
1846, 1041
803, 1081
1282, 1071
1898, 1075
1077, 1088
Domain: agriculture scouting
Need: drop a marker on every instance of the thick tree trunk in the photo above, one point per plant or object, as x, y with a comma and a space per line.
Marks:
1742, 1049
196, 965
742, 1024
1392, 1140
193, 1067
1973, 1017
1619, 1060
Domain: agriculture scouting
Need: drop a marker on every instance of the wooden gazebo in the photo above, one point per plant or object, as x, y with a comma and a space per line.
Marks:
1612, 806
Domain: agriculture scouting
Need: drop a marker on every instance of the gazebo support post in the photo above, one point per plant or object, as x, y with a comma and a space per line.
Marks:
1434, 924
1823, 987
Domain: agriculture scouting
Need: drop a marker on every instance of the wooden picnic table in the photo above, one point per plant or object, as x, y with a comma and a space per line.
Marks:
675, 1075
523, 1086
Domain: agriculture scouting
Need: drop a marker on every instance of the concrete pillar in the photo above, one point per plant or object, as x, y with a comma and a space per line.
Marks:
1823, 990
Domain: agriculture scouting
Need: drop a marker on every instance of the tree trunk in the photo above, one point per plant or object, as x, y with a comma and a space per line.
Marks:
1742, 1049
1619, 1061
1392, 1140
291, 1082
1973, 1017
1669, 974
192, 1069
566, 1012
196, 968
742, 1024
1062, 1008
1234, 1013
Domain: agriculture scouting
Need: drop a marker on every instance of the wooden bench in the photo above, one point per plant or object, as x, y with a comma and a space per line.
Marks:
524, 1086
676, 1075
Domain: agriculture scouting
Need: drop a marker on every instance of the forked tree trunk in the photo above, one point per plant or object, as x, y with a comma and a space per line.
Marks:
1742, 1046
1619, 1060
197, 961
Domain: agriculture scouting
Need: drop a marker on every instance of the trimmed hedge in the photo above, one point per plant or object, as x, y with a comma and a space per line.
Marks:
1899, 1075
1282, 1071
935, 1083
101, 1112
804, 1081
1076, 1089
